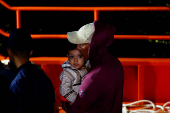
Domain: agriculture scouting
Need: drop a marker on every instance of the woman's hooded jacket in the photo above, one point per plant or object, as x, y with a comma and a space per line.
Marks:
102, 88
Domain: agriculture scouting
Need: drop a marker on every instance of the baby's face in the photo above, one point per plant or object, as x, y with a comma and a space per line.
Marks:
76, 59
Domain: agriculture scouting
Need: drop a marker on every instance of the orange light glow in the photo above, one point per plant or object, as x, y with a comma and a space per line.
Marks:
39, 36
4, 33
28, 8
49, 36
64, 36
96, 17
124, 61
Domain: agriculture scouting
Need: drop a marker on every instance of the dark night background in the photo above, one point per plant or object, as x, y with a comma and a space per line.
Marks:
125, 22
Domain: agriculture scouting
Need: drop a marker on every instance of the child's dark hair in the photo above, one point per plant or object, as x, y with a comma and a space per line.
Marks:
71, 46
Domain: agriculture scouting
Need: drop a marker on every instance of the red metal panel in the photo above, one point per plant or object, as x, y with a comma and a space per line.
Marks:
145, 78
130, 92
157, 83
54, 72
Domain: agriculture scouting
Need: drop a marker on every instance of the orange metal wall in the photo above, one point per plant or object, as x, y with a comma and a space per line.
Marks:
145, 78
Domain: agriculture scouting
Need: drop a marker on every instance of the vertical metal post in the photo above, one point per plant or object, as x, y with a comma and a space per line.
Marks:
96, 15
18, 18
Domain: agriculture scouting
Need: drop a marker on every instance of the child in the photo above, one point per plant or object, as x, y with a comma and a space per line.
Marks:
74, 70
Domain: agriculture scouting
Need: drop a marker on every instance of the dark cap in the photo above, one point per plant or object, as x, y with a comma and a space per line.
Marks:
20, 40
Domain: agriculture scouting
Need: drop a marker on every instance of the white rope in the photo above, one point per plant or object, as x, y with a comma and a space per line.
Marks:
167, 108
161, 108
140, 101
143, 109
